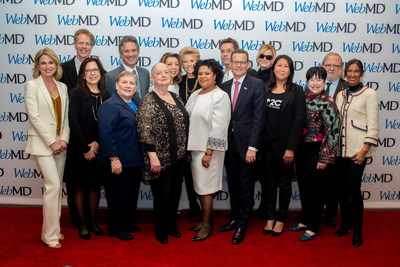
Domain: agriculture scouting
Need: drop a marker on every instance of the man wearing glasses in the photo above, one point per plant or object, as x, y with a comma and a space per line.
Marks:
248, 100
333, 65
83, 43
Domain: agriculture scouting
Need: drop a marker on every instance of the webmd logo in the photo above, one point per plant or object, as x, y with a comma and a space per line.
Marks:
181, 23
362, 8
54, 2
12, 38
22, 19
211, 4
255, 45
274, 6
304, 7
312, 46
224, 25
159, 3
106, 2
50, 39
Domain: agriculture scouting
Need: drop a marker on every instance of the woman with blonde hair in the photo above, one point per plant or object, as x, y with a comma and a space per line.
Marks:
265, 58
46, 101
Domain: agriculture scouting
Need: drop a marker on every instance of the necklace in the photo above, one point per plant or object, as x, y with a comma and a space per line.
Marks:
95, 108
188, 91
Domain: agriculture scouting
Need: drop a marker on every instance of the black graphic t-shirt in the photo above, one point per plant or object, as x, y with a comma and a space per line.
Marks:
274, 105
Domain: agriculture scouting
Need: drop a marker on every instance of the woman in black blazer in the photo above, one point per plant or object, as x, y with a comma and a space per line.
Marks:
83, 170
282, 135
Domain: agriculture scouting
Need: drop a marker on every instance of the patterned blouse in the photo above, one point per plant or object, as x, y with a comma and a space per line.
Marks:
163, 128
322, 125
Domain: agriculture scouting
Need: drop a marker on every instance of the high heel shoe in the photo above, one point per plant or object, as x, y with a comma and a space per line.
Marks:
297, 228
56, 245
60, 237
343, 230
197, 238
266, 232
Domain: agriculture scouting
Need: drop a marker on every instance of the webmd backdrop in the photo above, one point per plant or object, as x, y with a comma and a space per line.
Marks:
306, 31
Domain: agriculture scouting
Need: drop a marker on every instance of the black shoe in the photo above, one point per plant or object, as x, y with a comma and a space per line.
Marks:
195, 228
343, 230
133, 229
162, 238
357, 239
98, 231
266, 232
86, 236
331, 222
124, 236
238, 236
273, 233
175, 233
193, 211
230, 226
197, 238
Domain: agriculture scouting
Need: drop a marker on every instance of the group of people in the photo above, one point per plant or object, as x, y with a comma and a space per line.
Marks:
114, 129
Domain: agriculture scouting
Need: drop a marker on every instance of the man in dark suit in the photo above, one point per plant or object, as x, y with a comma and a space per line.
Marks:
247, 95
226, 47
83, 43
333, 65
129, 52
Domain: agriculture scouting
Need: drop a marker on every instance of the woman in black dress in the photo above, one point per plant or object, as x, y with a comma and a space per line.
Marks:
83, 170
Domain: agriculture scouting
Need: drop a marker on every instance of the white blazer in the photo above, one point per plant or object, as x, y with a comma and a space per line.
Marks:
39, 106
210, 115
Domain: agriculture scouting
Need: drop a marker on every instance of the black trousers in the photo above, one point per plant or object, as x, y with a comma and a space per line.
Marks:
331, 195
350, 196
279, 175
166, 192
241, 182
121, 192
311, 184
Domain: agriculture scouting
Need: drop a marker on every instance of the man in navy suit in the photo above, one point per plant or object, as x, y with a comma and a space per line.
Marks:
248, 99
129, 51
83, 43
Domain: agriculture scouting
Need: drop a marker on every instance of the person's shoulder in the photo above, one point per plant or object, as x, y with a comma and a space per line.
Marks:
114, 73
142, 69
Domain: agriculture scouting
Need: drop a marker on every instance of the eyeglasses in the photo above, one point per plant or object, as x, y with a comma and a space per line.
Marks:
92, 70
239, 62
332, 66
269, 57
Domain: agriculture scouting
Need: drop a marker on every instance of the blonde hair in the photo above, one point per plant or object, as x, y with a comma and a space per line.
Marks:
264, 48
189, 50
50, 53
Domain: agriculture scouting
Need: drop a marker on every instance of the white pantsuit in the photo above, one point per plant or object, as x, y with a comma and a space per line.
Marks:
210, 114
41, 134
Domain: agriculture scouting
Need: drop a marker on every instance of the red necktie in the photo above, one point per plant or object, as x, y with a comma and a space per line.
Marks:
235, 94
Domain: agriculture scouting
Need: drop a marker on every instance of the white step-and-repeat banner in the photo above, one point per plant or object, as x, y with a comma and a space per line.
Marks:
304, 30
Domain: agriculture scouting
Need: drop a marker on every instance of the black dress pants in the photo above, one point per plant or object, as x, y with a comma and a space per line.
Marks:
166, 190
279, 175
121, 190
241, 182
350, 196
311, 183
191, 194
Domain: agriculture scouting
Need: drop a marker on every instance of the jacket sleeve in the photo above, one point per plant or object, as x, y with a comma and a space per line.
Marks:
298, 118
221, 115
75, 108
144, 118
107, 116
259, 108
372, 118
32, 108
65, 127
330, 121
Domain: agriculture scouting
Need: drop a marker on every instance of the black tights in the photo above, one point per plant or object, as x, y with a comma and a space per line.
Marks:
87, 202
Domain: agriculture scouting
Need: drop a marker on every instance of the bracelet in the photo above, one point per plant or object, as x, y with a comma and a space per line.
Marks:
363, 149
205, 153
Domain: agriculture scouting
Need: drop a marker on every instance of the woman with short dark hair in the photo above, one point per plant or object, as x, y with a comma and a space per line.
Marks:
317, 150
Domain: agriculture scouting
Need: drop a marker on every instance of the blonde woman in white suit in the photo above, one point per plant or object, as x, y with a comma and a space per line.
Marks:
46, 102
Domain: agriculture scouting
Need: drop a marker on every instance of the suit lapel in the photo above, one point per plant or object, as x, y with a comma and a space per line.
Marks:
46, 95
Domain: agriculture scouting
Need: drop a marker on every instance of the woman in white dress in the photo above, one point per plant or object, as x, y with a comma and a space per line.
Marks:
210, 112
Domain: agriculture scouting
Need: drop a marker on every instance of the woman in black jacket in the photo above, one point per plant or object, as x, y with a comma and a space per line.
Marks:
282, 135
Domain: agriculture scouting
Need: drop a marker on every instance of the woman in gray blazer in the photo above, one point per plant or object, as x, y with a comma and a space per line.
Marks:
46, 102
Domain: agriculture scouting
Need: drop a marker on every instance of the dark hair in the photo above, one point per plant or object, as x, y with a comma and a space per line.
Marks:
178, 78
230, 41
214, 66
319, 72
240, 51
354, 61
289, 82
81, 85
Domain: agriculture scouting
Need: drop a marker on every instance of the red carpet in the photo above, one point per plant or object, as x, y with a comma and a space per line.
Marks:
21, 245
